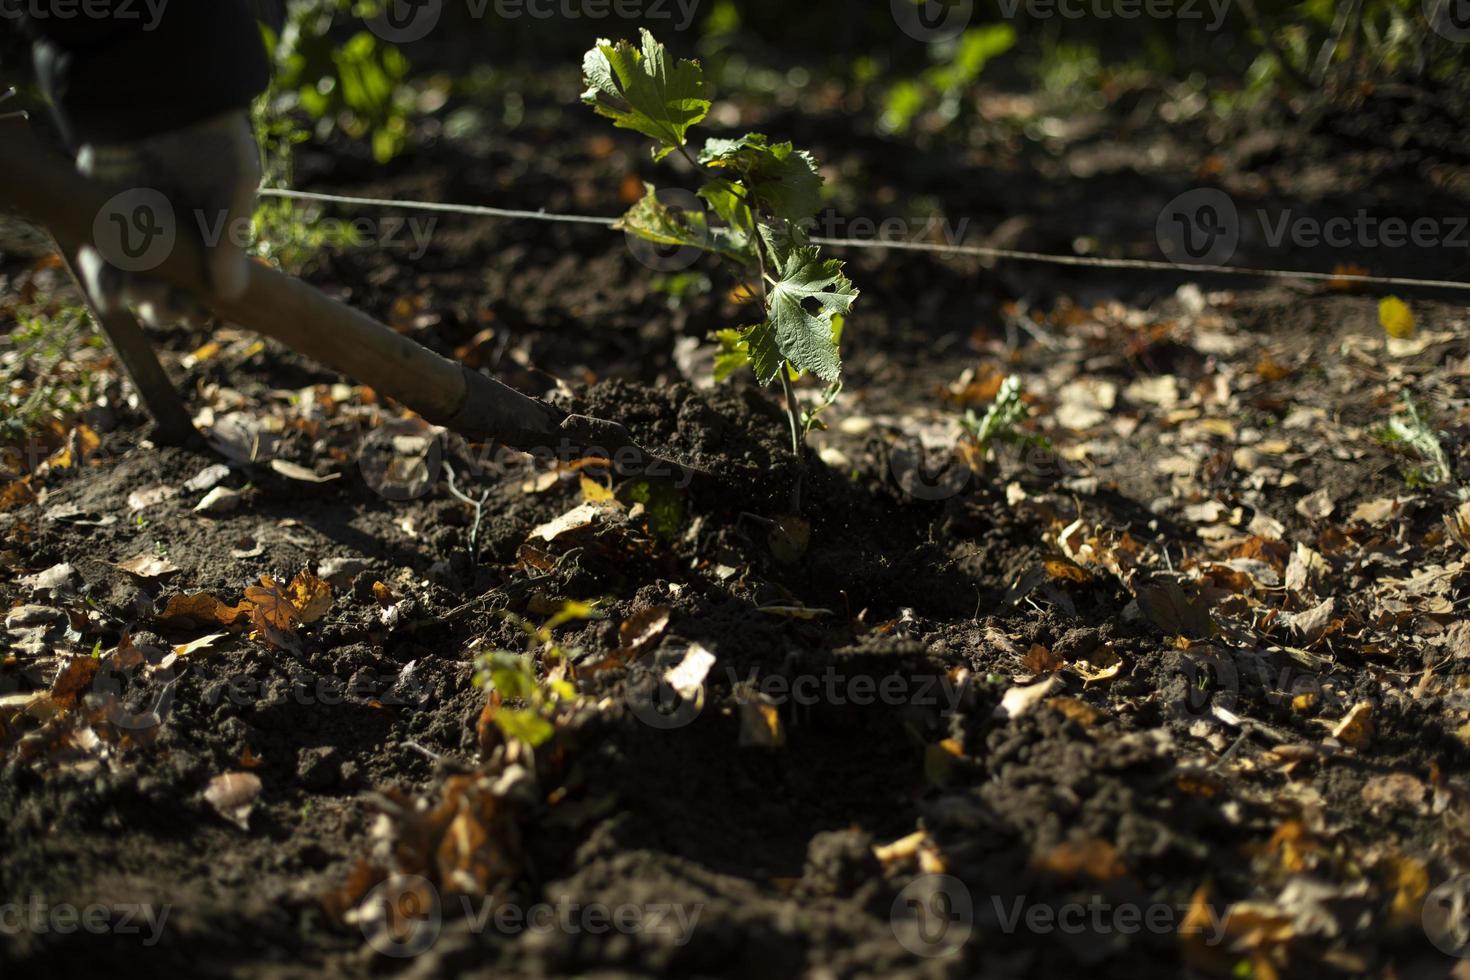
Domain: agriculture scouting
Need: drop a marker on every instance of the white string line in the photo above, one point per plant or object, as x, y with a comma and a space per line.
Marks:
979, 251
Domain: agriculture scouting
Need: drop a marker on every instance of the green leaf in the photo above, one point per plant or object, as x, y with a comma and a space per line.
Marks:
783, 180
728, 200
809, 291
734, 352
639, 90
655, 221
525, 724
765, 352
661, 501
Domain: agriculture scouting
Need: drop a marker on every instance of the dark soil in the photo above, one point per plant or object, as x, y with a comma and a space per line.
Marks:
1129, 790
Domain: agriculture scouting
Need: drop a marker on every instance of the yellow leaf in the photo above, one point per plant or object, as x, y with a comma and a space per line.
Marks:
1396, 318
270, 607
594, 492
311, 596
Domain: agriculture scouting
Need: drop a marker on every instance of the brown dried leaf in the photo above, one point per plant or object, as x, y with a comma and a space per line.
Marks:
201, 609
311, 596
270, 607
1040, 660
1356, 729
1096, 859
233, 796
641, 629
148, 566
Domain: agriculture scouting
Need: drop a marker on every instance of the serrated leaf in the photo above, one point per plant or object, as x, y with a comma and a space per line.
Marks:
802, 335
728, 200
639, 90
783, 179
764, 352
654, 221
733, 354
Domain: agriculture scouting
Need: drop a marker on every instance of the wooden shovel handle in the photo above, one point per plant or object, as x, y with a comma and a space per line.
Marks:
42, 184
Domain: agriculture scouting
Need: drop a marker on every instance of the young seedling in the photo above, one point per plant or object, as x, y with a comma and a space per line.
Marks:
765, 196
1002, 422
1414, 431
542, 702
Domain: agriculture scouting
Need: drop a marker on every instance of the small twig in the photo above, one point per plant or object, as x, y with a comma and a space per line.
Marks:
479, 510
5, 97
1346, 18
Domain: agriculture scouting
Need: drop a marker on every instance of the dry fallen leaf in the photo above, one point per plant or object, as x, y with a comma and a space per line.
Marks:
1022, 698
220, 500
1356, 729
152, 496
270, 607
203, 643
201, 609
294, 471
1317, 505
311, 596
579, 517
760, 725
148, 566
1095, 858
233, 796
687, 676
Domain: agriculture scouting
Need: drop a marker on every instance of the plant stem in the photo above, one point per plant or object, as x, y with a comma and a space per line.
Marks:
793, 408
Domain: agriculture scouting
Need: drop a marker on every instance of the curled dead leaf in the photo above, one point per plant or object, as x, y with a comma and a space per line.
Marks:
233, 795
149, 566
